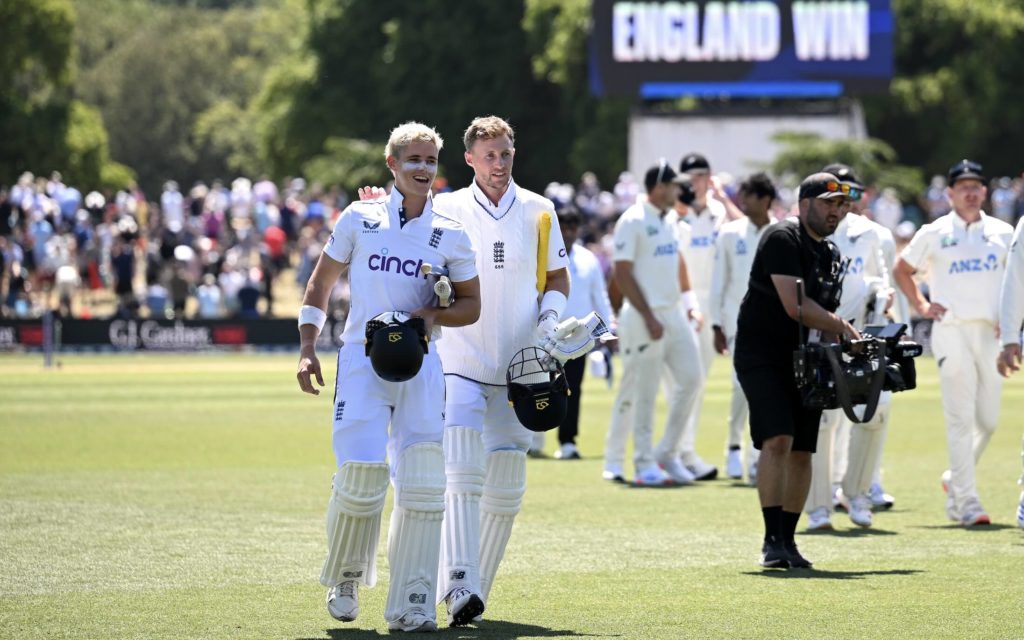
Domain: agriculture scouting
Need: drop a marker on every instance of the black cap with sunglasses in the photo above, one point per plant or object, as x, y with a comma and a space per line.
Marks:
965, 170
825, 186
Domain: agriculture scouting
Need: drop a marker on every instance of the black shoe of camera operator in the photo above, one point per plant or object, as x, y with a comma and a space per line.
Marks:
796, 559
774, 554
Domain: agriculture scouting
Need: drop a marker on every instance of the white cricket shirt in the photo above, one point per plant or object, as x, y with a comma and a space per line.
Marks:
965, 264
384, 258
651, 243
1011, 300
861, 246
735, 247
588, 291
699, 251
505, 237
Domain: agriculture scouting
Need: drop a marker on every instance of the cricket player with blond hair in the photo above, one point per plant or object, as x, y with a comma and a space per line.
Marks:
388, 426
964, 253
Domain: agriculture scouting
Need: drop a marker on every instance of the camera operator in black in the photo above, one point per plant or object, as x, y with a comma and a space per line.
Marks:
767, 334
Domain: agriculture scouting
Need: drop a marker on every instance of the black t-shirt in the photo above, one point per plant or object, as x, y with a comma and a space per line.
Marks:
765, 334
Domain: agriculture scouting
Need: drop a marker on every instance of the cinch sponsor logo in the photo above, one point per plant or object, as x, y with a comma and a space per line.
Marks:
666, 249
991, 263
395, 264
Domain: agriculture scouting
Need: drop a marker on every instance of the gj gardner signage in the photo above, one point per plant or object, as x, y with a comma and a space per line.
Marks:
741, 49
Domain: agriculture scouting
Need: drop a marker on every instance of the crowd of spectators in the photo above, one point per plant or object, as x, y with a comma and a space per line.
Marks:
215, 251
218, 251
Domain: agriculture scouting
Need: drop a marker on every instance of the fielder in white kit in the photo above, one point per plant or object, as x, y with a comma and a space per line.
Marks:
383, 244
700, 221
965, 254
654, 333
866, 295
1011, 317
520, 254
735, 247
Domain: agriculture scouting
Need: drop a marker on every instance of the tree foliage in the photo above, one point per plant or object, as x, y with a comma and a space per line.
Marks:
42, 126
959, 88
874, 161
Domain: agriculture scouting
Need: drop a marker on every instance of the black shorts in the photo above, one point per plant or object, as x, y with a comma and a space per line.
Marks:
776, 408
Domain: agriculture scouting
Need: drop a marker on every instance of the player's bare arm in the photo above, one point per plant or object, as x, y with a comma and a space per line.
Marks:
903, 274
465, 310
318, 291
630, 289
813, 314
558, 280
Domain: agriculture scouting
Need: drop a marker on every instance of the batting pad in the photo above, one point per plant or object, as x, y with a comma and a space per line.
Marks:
820, 493
460, 540
353, 523
502, 499
414, 538
866, 441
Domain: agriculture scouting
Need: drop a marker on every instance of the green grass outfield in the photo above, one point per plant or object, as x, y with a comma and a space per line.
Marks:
183, 497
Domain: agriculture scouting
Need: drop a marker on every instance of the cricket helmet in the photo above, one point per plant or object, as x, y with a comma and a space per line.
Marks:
395, 344
537, 389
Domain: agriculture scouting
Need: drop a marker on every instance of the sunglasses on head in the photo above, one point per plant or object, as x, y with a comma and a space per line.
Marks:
663, 164
851, 192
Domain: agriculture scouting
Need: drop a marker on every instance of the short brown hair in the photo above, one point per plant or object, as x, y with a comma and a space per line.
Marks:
487, 128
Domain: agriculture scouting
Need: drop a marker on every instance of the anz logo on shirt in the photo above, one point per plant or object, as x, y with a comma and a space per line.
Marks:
666, 249
703, 241
975, 265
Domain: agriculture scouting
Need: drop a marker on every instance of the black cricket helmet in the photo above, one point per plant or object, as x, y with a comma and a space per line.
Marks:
537, 389
395, 344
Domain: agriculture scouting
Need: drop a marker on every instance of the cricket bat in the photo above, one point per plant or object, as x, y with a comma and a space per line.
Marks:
543, 234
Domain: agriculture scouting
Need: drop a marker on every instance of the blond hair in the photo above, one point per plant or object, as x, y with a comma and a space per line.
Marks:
405, 134
487, 128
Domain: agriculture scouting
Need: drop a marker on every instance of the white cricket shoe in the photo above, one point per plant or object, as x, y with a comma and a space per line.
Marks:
752, 474
879, 498
567, 451
700, 469
463, 606
652, 476
613, 473
677, 471
343, 601
414, 621
1020, 512
974, 514
734, 464
838, 499
819, 520
859, 509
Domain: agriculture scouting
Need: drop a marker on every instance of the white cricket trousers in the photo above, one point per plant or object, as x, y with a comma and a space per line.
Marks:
643, 361
706, 343
966, 354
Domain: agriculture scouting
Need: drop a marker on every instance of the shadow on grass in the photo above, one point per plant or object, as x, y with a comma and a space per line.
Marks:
487, 629
952, 526
859, 532
824, 574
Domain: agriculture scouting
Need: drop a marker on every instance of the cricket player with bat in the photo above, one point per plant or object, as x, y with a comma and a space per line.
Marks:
524, 280
381, 409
